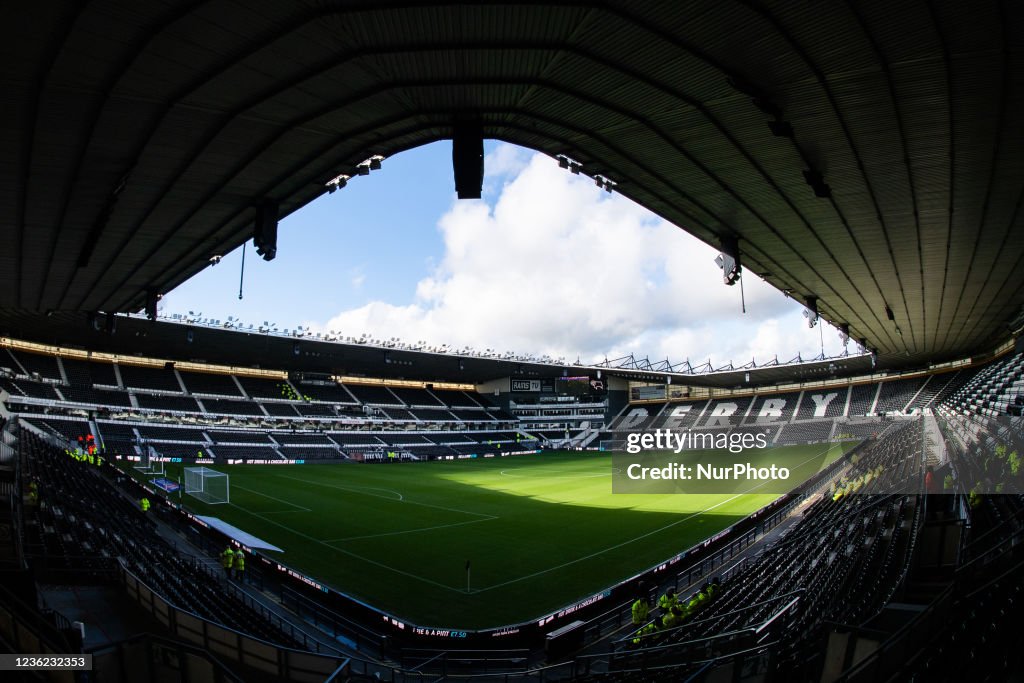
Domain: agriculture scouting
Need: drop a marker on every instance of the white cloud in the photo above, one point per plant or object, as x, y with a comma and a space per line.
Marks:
358, 277
556, 266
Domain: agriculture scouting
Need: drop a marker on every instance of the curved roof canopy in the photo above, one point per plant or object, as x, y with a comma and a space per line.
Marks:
869, 154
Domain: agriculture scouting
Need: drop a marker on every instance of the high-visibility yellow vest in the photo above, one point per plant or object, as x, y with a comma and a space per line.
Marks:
640, 611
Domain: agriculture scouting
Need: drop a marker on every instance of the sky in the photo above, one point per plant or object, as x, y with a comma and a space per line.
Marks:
544, 263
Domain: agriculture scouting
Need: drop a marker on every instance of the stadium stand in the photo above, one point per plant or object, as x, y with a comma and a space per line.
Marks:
142, 377
862, 399
82, 516
36, 390
249, 452
773, 408
896, 395
239, 437
280, 409
823, 403
209, 383
417, 397
179, 434
328, 393
89, 373
185, 404
374, 395
224, 406
315, 410
258, 387
37, 365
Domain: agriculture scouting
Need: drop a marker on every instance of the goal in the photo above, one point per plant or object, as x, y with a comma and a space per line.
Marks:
207, 485
149, 462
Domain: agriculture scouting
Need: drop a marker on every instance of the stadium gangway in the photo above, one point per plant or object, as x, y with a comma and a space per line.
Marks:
297, 634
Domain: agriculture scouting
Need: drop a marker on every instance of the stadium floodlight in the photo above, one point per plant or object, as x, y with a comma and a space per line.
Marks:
811, 313
337, 182
812, 318
729, 260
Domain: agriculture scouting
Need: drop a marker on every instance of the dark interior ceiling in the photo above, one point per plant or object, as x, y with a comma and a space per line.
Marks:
137, 138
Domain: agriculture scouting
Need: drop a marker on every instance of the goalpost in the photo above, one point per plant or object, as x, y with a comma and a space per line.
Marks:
207, 485
148, 463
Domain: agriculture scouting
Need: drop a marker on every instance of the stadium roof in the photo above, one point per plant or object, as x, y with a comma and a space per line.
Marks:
173, 341
868, 153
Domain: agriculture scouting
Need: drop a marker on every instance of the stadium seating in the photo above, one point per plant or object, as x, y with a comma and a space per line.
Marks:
896, 395
36, 365
82, 516
87, 374
208, 383
185, 404
144, 377
375, 395
862, 399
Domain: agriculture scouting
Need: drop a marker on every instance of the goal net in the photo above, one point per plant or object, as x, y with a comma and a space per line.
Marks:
149, 463
209, 486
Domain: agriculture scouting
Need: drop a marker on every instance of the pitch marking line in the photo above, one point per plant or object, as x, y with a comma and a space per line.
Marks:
399, 499
279, 500
633, 540
514, 474
347, 552
406, 531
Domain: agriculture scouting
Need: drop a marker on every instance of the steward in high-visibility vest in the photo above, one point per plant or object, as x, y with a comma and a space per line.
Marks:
640, 610
646, 630
673, 617
239, 566
144, 504
227, 559
668, 600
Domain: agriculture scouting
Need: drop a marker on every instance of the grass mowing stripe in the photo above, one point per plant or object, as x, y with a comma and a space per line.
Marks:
267, 495
346, 552
400, 498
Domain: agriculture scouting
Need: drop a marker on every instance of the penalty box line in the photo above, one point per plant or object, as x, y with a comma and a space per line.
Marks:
637, 538
400, 499
279, 500
348, 552
407, 531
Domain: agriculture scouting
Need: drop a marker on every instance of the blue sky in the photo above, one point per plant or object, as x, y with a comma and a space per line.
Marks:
544, 263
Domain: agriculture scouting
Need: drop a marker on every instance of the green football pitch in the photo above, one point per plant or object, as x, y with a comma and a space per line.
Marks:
540, 531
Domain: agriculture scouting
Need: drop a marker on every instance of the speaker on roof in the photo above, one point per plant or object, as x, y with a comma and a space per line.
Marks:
468, 159
264, 234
